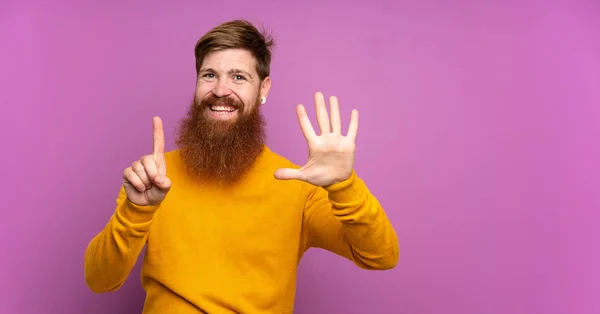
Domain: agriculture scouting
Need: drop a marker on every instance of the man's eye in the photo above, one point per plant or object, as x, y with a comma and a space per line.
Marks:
209, 75
239, 77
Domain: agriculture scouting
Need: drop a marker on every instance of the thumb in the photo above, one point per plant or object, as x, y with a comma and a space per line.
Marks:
162, 182
288, 174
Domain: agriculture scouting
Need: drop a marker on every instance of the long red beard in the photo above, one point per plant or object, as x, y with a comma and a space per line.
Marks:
220, 151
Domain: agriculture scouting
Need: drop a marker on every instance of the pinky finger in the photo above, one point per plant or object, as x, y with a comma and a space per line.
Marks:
130, 177
353, 127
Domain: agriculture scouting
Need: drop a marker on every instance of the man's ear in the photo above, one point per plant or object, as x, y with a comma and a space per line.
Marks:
265, 86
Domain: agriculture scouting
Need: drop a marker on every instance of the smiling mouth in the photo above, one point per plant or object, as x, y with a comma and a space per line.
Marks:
222, 109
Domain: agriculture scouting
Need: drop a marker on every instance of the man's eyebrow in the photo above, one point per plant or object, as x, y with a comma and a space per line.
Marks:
237, 71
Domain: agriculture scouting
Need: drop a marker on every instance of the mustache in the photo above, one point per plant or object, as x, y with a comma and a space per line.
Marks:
212, 100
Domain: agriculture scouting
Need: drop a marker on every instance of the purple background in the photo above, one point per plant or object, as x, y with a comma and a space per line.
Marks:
479, 132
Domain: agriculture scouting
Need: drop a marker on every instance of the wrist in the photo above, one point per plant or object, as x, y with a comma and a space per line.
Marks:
137, 213
342, 183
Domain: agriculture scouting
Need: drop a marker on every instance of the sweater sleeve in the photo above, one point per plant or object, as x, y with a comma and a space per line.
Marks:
113, 252
346, 219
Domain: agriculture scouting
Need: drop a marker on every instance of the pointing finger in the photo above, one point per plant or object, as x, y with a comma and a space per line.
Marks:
159, 138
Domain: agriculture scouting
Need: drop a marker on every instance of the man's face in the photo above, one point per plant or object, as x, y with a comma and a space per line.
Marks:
229, 83
223, 132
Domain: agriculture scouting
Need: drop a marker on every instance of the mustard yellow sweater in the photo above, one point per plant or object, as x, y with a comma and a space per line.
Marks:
236, 250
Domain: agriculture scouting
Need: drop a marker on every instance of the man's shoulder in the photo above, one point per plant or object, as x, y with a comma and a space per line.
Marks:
174, 162
174, 153
278, 159
172, 156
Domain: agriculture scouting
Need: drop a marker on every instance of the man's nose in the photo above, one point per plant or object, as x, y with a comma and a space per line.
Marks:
221, 89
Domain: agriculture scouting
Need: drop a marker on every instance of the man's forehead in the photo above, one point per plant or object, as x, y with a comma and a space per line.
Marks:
228, 59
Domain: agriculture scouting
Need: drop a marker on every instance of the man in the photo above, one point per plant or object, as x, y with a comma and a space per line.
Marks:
225, 219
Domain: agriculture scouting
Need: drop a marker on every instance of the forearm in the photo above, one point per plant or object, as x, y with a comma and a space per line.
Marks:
112, 253
356, 226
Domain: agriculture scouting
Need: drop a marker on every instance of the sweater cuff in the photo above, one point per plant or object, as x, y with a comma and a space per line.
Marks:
347, 191
135, 213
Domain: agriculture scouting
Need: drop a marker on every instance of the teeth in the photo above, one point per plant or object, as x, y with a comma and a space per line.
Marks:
222, 108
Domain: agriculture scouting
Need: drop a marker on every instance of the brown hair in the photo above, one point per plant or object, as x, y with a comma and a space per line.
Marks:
237, 34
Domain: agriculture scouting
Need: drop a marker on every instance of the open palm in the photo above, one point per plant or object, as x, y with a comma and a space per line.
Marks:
331, 154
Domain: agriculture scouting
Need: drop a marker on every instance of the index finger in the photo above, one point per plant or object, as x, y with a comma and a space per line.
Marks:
159, 137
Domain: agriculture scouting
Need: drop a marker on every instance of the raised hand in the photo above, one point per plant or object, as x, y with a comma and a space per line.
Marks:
146, 182
331, 154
